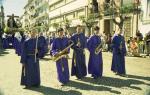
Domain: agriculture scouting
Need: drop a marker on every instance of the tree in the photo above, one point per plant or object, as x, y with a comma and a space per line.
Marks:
89, 21
55, 25
123, 14
120, 12
66, 23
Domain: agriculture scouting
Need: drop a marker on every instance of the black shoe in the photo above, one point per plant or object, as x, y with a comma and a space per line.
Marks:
95, 77
63, 84
123, 75
27, 87
36, 86
80, 78
116, 73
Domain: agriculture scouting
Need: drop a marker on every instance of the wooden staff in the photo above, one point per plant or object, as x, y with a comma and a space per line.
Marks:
36, 46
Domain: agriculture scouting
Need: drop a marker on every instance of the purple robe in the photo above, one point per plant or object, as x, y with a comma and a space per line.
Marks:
42, 46
30, 70
95, 66
47, 44
51, 40
78, 61
62, 64
5, 43
17, 46
118, 60
10, 39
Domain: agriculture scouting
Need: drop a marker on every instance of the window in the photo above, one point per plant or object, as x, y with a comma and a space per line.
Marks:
80, 13
70, 16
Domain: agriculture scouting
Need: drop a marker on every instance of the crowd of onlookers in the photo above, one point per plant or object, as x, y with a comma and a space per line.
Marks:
139, 45
136, 46
107, 41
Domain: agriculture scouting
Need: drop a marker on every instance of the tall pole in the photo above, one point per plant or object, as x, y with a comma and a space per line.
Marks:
2, 17
137, 15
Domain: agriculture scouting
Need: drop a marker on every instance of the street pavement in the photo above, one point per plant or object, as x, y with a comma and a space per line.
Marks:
137, 81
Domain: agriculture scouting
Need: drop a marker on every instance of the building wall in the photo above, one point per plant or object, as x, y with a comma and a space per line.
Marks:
70, 9
109, 27
36, 11
144, 25
27, 14
66, 7
55, 11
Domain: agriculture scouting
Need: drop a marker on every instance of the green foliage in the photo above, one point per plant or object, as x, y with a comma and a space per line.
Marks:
127, 9
67, 23
55, 25
6, 29
89, 21
109, 11
13, 30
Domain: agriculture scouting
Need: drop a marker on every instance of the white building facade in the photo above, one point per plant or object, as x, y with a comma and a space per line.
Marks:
144, 25
59, 10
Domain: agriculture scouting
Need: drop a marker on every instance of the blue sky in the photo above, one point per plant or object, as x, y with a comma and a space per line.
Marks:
14, 6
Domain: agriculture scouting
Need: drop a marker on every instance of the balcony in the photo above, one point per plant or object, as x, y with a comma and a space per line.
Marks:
41, 4
52, 2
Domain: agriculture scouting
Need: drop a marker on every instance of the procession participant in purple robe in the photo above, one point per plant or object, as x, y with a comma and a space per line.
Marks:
78, 61
119, 52
30, 62
42, 46
51, 40
5, 43
27, 35
17, 43
10, 39
47, 37
59, 44
95, 66
67, 35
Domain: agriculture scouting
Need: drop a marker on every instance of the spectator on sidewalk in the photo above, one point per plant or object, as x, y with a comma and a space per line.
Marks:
104, 38
128, 43
140, 42
134, 47
109, 40
5, 43
148, 43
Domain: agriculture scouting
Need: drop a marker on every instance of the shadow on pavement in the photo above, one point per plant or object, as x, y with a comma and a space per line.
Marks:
147, 91
84, 86
116, 82
53, 91
1, 93
139, 77
3, 52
